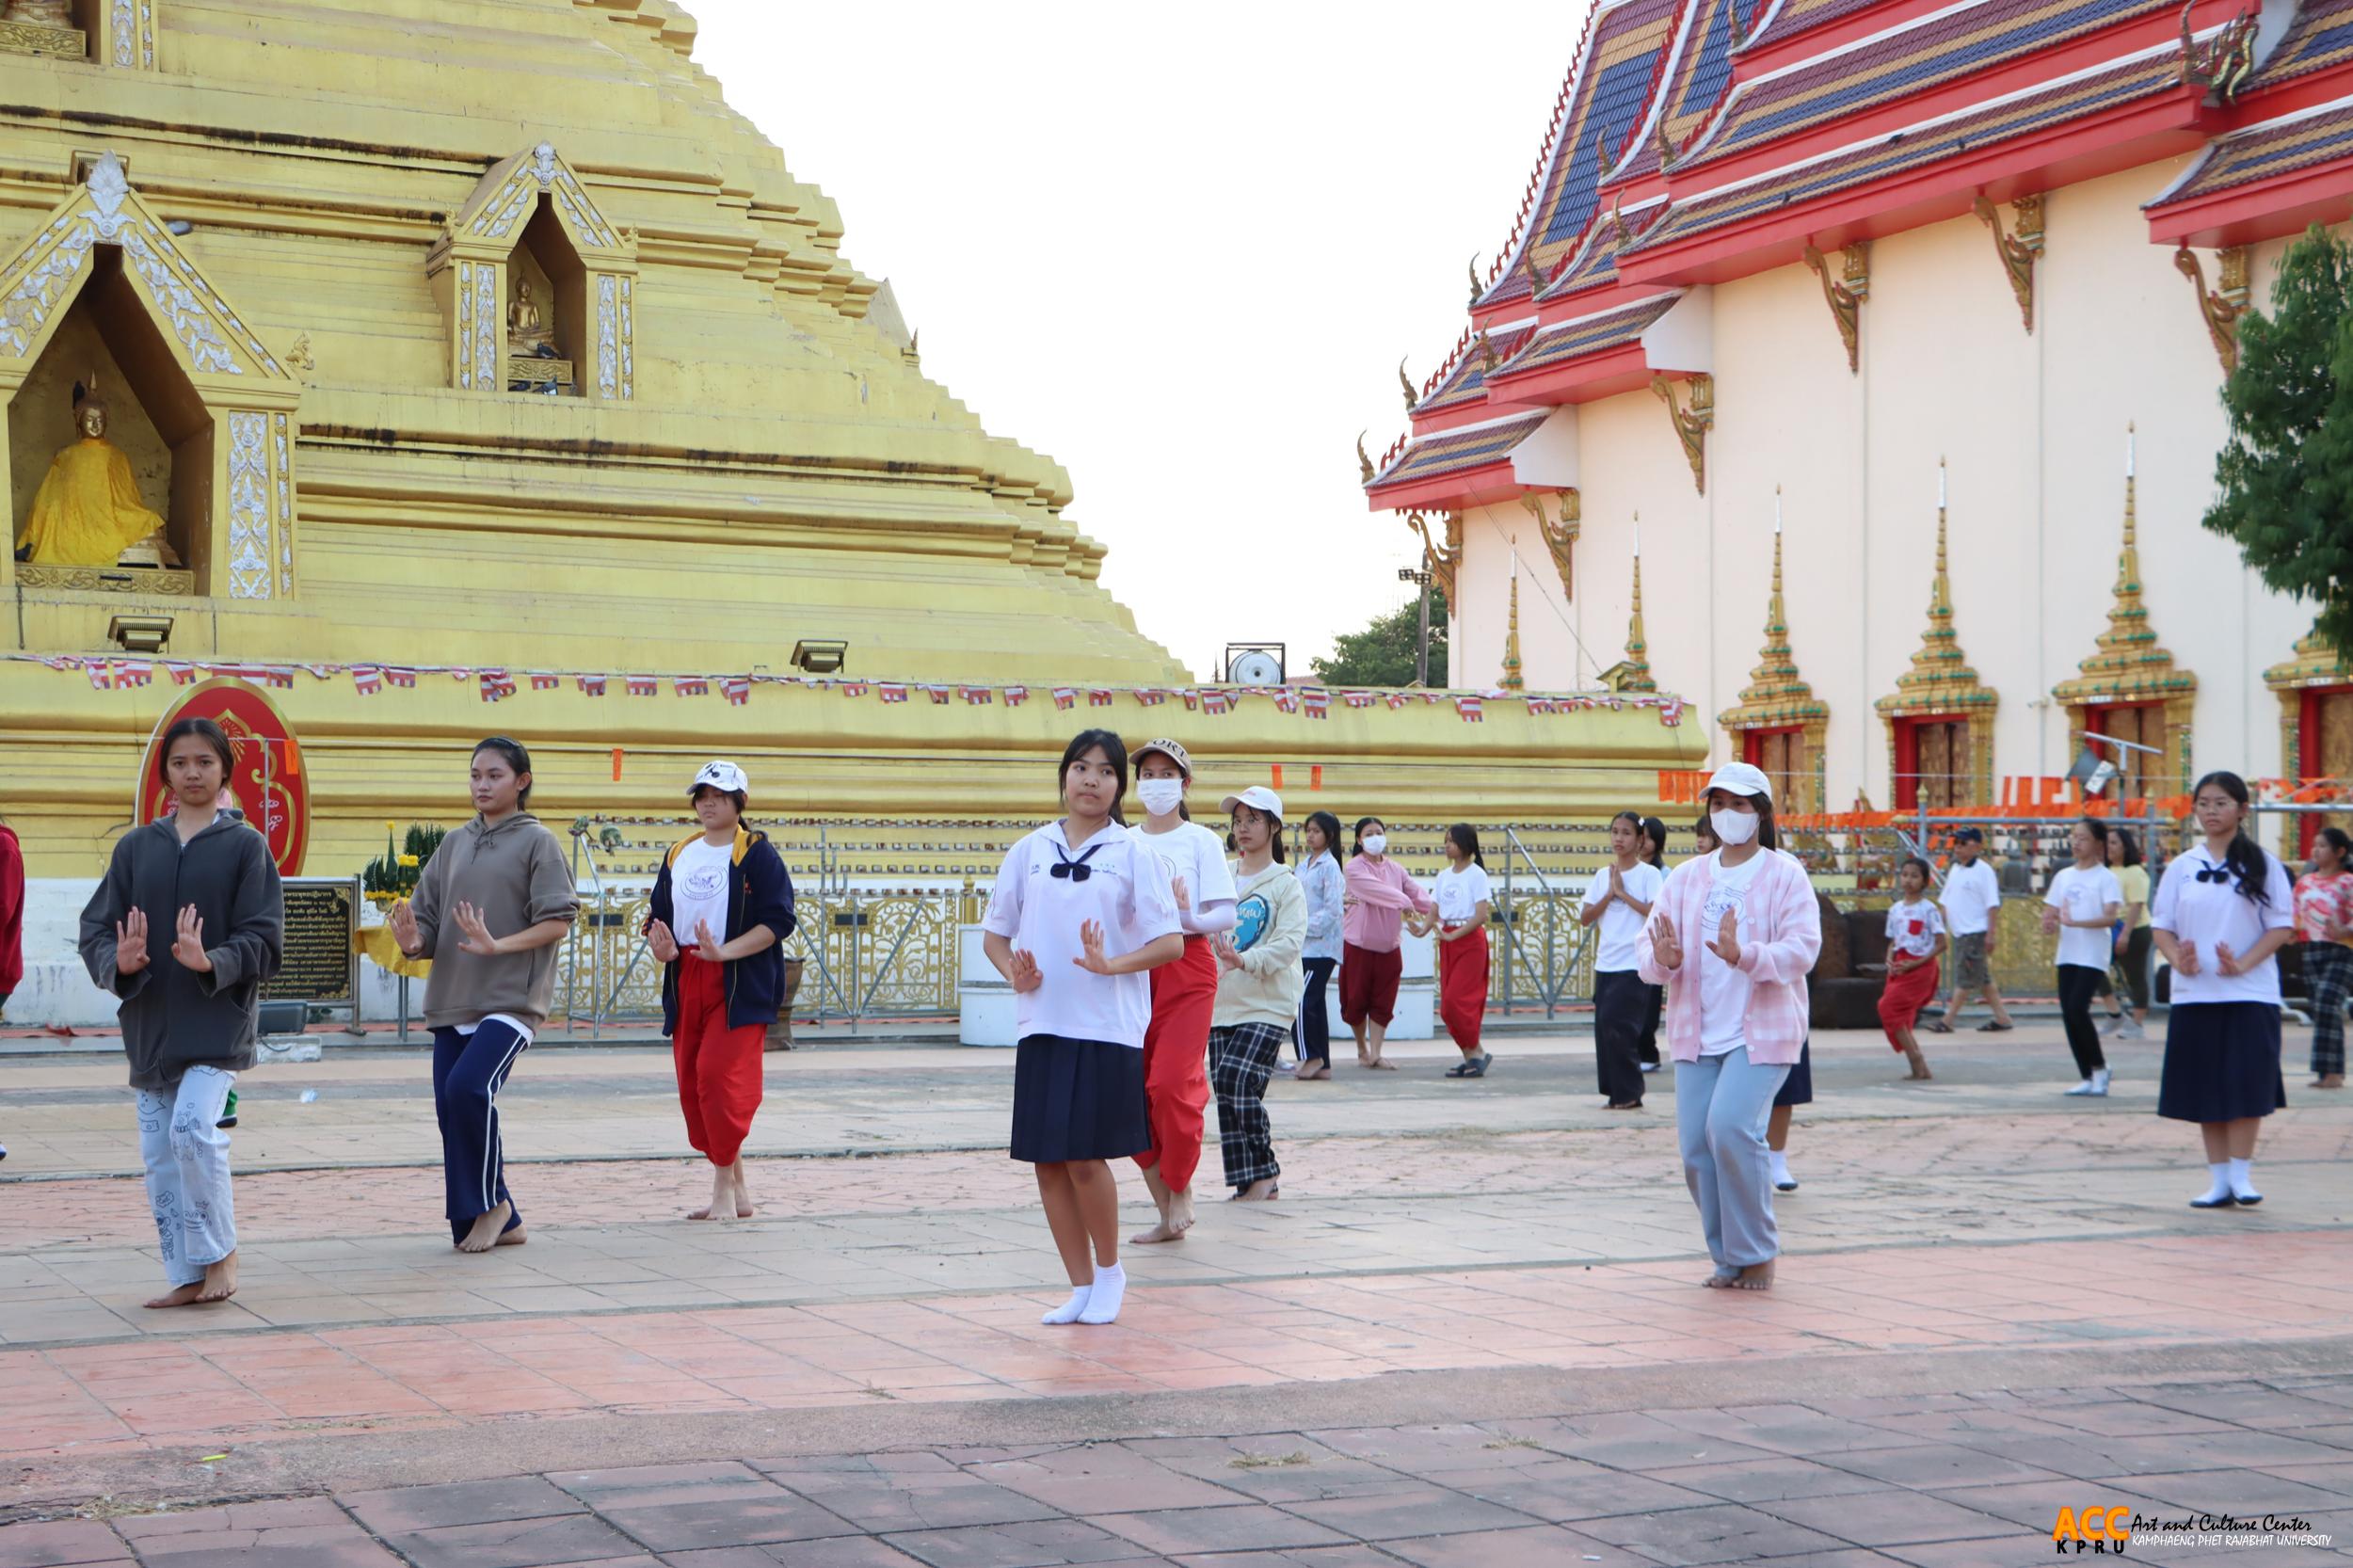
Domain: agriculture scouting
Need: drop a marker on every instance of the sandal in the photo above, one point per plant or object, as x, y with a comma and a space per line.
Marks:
1940, 1027
1459, 1069
1989, 1027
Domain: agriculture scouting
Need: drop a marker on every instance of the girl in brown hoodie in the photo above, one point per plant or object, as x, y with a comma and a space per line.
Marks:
491, 906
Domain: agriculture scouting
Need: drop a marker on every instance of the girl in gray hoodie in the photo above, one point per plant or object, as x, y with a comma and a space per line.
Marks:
184, 929
490, 908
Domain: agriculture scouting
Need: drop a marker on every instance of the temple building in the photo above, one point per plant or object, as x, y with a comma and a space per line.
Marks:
440, 369
1899, 324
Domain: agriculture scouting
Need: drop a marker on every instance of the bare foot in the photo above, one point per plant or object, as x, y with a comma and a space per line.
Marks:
2329, 1080
185, 1295
220, 1280
485, 1234
1181, 1214
1310, 1071
1258, 1191
514, 1238
1385, 1066
1157, 1234
1756, 1276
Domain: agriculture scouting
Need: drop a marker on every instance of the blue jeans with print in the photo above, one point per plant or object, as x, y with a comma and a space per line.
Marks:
187, 1172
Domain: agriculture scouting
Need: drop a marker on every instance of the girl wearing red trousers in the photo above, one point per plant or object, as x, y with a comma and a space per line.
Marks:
1464, 903
1372, 926
1184, 994
1915, 941
722, 904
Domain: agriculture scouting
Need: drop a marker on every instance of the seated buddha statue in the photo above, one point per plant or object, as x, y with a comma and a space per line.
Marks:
41, 13
87, 512
528, 333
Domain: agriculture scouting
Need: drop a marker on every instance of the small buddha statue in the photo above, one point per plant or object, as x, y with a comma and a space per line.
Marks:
40, 14
87, 512
528, 333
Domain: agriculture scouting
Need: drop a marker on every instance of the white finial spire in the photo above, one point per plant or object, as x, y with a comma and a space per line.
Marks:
1940, 484
1638, 535
1776, 511
2131, 443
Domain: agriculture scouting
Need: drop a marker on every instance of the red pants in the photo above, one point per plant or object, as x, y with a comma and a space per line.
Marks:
1176, 1061
1906, 994
1369, 985
719, 1069
1463, 988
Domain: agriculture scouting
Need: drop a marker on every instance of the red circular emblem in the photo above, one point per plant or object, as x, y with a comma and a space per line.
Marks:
269, 784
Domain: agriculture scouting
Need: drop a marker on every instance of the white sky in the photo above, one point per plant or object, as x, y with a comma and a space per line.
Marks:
1178, 249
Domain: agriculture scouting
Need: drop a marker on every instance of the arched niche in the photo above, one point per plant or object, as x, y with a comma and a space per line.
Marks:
197, 401
531, 220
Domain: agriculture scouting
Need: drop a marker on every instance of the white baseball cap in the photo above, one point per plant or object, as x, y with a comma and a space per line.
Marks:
1742, 778
725, 776
1258, 798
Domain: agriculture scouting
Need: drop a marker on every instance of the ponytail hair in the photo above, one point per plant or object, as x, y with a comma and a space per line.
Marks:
2249, 868
1466, 838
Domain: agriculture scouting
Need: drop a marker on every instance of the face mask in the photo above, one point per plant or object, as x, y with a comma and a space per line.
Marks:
1376, 843
1160, 796
1733, 827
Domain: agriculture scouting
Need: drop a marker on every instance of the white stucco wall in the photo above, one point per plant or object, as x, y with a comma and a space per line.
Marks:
2033, 430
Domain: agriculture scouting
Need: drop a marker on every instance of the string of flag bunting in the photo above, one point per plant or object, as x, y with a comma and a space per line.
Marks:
107, 674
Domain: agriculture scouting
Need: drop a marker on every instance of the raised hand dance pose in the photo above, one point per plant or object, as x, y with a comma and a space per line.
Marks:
1378, 893
186, 925
722, 904
1082, 911
1257, 991
1733, 936
491, 906
1617, 900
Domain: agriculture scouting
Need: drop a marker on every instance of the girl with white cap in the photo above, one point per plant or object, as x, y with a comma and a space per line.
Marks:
1733, 936
722, 906
1184, 994
1258, 993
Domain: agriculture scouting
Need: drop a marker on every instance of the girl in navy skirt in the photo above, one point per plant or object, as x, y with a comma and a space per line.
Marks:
2223, 910
1082, 910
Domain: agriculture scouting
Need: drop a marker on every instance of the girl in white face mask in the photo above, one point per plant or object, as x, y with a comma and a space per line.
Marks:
1732, 937
1372, 926
1184, 994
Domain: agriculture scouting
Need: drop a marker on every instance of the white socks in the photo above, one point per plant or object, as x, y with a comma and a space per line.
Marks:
2221, 1187
2242, 1180
2096, 1084
1103, 1302
1068, 1311
1783, 1180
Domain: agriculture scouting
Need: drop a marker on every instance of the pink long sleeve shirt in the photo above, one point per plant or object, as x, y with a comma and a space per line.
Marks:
1781, 936
1382, 891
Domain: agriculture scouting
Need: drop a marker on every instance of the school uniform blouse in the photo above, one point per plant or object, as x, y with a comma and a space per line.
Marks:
2203, 914
1322, 881
1125, 889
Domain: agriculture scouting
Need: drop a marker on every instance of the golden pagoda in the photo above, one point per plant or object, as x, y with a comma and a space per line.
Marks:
483, 344
1939, 705
1778, 723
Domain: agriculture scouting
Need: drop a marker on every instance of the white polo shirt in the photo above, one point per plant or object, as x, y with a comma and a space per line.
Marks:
1125, 889
1972, 893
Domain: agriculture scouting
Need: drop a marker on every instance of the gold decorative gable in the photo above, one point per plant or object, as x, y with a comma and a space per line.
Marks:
1941, 683
226, 400
474, 275
2130, 666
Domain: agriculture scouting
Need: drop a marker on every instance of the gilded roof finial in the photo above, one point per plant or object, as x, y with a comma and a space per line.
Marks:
1940, 682
1477, 288
1406, 381
2129, 666
1512, 678
1364, 461
1638, 676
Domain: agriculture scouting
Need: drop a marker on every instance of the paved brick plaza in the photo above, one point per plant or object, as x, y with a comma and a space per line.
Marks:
1473, 1338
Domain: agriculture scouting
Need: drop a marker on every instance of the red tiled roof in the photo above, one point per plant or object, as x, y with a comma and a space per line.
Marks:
1465, 382
2138, 76
1902, 62
1596, 263
2288, 145
2321, 35
1694, 86
1592, 334
1791, 17
1458, 451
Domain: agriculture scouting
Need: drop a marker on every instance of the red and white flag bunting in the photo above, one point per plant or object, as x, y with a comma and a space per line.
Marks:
1064, 696
497, 684
690, 685
1318, 702
641, 685
401, 678
100, 675
1017, 696
542, 682
978, 696
890, 692
1470, 709
854, 688
366, 679
592, 685
1097, 697
1217, 702
737, 689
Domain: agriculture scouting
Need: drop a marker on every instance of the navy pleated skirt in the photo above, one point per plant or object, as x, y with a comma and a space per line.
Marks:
1798, 1088
2222, 1061
1077, 1099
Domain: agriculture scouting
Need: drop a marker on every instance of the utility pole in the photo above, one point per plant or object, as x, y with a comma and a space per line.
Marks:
1420, 577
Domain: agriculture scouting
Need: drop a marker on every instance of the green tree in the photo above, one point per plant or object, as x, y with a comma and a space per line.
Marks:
1382, 653
2286, 472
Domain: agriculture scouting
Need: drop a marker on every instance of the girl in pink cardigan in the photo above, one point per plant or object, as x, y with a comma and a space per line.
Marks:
1733, 936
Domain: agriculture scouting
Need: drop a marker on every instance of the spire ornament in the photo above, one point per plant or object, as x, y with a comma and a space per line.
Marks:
1941, 685
1513, 681
1635, 674
2130, 668
1779, 702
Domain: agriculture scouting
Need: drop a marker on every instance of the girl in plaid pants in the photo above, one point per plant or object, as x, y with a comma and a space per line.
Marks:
1259, 980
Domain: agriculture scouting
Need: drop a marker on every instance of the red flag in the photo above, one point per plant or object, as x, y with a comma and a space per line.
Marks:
736, 688
100, 676
133, 672
182, 674
1216, 703
367, 680
543, 682
496, 684
978, 696
592, 685
400, 677
1099, 698
891, 692
640, 685
939, 696
690, 685
854, 688
1399, 699
1064, 696
1470, 709
1318, 702
1017, 696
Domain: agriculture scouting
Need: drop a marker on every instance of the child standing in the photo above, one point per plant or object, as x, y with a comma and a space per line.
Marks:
190, 1009
1325, 885
1464, 902
1379, 892
722, 906
1184, 994
1915, 942
1258, 995
1082, 912
1617, 901
2083, 902
2321, 896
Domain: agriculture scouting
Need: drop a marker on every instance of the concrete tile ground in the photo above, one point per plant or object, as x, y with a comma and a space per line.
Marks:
1470, 1334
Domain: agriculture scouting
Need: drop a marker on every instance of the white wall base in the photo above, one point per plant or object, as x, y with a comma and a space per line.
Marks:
986, 1011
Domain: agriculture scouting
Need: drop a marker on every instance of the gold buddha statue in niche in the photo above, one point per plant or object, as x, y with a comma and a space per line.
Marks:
40, 14
528, 332
87, 512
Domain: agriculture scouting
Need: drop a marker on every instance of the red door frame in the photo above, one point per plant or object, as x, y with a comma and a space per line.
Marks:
1906, 784
2094, 720
2308, 754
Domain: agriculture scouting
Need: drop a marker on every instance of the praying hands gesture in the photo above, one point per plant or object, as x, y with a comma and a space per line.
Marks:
131, 942
664, 944
1617, 886
188, 944
1025, 975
